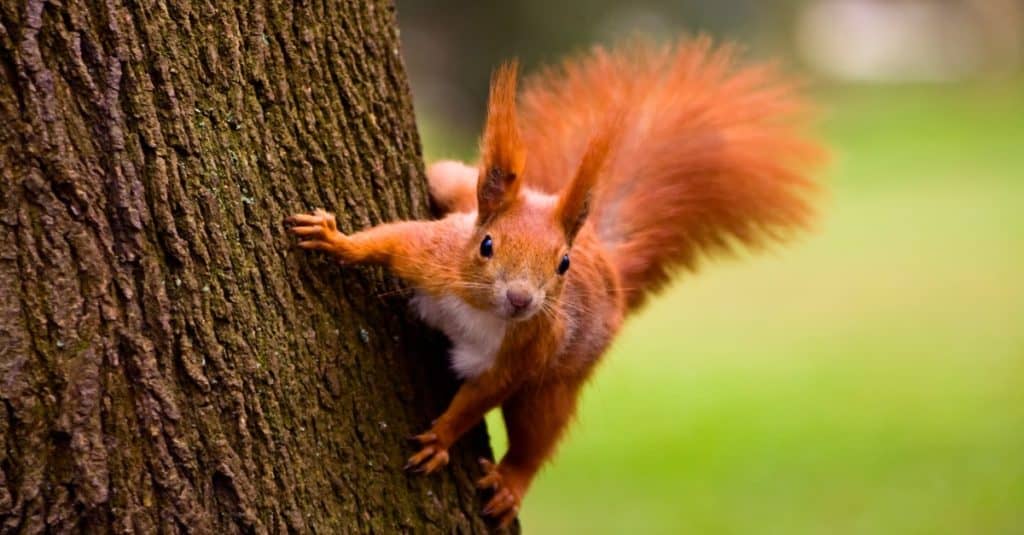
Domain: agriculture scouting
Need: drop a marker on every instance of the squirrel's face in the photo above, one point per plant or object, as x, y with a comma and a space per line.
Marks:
516, 263
518, 259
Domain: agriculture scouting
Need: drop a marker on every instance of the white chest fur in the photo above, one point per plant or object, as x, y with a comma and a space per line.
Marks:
476, 335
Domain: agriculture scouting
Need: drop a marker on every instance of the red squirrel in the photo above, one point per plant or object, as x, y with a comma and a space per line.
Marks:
616, 170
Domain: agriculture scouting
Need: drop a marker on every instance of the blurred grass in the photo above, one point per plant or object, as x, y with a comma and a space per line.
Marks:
869, 379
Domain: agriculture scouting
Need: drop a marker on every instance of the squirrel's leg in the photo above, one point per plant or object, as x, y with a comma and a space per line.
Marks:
452, 186
536, 417
472, 401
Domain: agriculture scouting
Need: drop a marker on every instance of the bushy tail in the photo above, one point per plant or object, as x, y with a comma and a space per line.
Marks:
709, 154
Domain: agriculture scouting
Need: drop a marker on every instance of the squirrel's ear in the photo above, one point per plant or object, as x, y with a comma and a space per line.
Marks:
503, 155
574, 203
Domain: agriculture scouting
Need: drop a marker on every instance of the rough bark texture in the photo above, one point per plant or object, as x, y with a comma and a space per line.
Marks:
168, 360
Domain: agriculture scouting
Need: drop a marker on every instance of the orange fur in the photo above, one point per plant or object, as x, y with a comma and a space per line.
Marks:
453, 186
575, 202
502, 152
710, 153
672, 152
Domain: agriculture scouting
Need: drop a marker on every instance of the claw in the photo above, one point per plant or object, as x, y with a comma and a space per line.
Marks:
314, 244
419, 457
307, 231
424, 438
491, 479
304, 219
438, 461
431, 458
500, 503
503, 505
508, 517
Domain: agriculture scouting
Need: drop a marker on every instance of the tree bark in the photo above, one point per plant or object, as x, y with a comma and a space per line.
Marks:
169, 362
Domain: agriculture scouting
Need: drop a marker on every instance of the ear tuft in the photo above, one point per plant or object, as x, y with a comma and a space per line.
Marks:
574, 204
503, 155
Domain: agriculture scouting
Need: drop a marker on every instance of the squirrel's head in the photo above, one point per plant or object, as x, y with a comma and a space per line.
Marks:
520, 254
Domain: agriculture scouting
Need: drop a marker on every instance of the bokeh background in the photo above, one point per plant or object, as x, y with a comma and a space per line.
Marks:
868, 378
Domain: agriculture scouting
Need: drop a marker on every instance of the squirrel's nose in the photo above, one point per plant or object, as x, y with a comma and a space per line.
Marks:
519, 298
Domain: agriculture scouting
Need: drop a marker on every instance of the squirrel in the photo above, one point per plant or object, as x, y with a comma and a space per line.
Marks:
614, 171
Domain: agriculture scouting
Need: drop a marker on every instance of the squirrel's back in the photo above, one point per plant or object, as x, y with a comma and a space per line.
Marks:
706, 154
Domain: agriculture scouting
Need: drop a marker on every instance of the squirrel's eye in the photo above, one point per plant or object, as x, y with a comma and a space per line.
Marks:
487, 247
563, 266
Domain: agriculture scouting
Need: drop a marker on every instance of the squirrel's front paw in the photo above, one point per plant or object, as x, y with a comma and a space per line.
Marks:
318, 230
507, 493
432, 456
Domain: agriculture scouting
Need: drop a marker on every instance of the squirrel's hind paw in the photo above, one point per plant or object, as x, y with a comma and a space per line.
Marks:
506, 497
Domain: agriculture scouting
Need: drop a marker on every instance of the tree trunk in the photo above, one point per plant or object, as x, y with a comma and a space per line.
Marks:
168, 360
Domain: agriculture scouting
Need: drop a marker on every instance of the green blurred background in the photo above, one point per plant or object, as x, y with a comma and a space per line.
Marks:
868, 378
